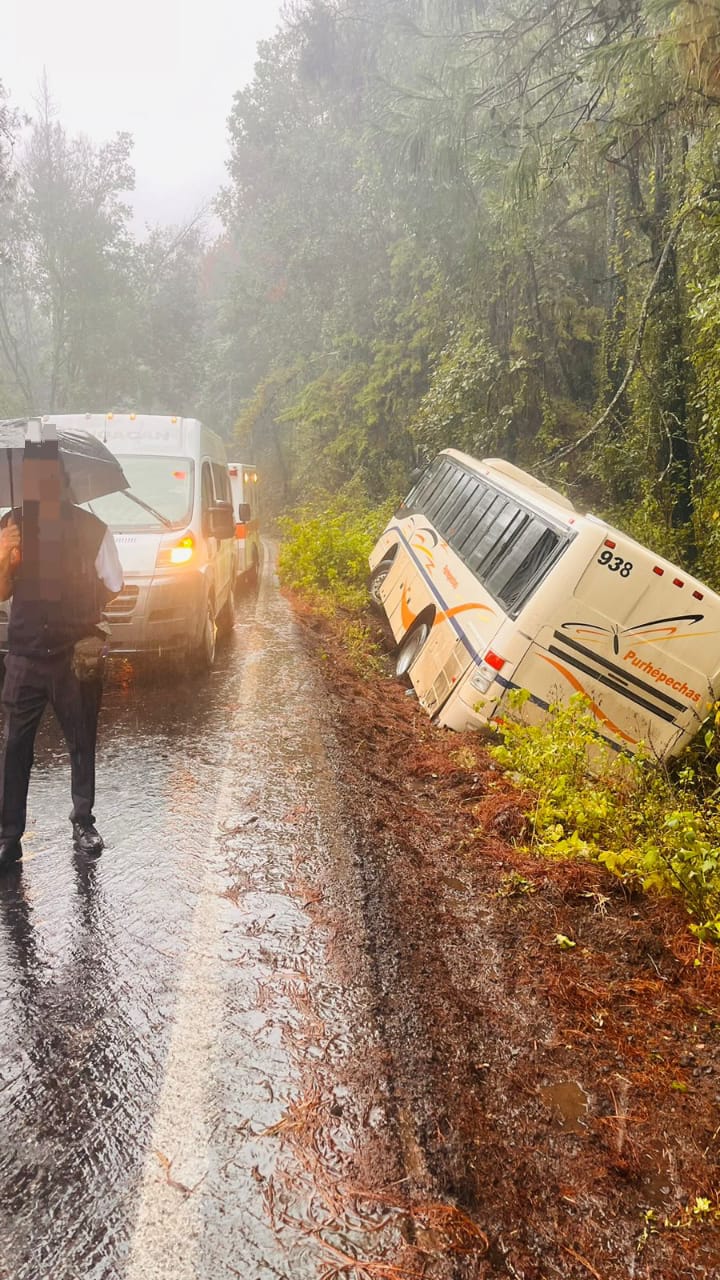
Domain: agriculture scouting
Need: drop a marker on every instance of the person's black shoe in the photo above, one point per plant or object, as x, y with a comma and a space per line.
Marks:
87, 839
10, 854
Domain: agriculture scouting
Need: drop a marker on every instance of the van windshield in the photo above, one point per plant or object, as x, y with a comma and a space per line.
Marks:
163, 483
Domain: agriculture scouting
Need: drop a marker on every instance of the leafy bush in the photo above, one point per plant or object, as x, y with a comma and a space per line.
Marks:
629, 815
325, 550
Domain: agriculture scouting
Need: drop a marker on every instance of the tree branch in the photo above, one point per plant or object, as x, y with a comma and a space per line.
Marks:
710, 193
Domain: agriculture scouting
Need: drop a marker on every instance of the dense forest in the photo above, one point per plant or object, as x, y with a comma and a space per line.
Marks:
493, 224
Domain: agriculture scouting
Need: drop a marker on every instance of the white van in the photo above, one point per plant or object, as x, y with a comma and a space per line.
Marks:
246, 513
174, 531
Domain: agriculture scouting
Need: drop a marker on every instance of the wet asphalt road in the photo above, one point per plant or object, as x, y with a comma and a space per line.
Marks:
150, 1030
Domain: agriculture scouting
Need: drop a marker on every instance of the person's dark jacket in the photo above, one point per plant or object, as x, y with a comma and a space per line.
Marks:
57, 597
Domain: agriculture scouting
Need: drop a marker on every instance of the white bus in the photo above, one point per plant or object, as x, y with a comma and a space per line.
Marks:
246, 513
492, 581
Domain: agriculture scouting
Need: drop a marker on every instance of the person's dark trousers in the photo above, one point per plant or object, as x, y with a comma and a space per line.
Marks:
30, 684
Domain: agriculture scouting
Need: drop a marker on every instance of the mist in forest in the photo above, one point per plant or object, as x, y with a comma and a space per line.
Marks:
483, 223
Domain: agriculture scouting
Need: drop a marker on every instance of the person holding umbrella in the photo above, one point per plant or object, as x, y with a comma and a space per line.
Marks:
60, 565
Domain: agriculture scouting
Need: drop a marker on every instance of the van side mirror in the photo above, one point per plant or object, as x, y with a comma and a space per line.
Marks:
220, 520
244, 513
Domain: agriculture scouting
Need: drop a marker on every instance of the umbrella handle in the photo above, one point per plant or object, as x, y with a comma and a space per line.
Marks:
15, 554
8, 454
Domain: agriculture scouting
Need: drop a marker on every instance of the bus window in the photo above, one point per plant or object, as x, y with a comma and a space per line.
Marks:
486, 551
207, 488
520, 519
467, 531
441, 490
221, 482
494, 522
418, 495
525, 564
455, 507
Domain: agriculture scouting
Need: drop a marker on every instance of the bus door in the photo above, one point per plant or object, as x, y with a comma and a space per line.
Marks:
495, 537
459, 617
403, 593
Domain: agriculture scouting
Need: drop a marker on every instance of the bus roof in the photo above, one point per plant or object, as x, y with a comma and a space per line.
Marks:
514, 478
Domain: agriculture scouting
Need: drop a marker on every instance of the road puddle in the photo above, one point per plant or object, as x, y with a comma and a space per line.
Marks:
568, 1103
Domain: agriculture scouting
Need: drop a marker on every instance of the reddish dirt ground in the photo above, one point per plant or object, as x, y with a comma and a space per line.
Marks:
566, 1103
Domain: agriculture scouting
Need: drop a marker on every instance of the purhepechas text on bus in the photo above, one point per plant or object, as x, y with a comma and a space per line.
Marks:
492, 582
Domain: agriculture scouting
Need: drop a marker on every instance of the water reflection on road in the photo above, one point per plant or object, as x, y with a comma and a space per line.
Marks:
137, 1058
88, 955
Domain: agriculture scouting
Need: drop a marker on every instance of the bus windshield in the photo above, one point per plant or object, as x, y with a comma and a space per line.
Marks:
163, 484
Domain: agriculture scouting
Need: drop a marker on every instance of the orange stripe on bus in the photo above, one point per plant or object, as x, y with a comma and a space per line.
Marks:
406, 613
408, 617
461, 608
599, 715
658, 632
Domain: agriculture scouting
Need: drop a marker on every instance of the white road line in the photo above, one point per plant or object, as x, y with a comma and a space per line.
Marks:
168, 1234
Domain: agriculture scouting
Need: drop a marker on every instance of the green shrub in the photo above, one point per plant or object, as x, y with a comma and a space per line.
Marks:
325, 550
630, 815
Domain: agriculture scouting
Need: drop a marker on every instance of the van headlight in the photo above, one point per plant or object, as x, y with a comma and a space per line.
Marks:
181, 553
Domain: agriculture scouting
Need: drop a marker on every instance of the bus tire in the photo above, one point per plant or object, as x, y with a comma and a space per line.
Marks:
376, 579
410, 646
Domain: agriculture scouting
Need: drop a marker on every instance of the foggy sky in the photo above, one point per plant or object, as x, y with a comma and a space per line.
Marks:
163, 70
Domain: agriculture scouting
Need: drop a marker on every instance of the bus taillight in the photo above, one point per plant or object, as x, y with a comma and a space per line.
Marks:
494, 661
485, 673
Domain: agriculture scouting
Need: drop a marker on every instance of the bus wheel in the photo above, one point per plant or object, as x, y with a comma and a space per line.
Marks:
377, 577
205, 652
410, 647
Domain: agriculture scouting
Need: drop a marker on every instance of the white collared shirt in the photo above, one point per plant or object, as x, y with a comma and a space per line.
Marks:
107, 564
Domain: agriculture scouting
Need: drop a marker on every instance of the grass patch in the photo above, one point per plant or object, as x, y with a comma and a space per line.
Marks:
324, 556
325, 550
654, 829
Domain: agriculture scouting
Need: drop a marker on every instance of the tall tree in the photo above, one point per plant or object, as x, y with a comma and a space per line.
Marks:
64, 286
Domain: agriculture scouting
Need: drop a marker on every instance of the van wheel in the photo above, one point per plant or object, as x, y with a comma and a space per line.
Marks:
410, 647
377, 577
205, 652
227, 615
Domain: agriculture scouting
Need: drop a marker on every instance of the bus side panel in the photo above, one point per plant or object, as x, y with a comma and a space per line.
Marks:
404, 593
443, 661
386, 543
423, 581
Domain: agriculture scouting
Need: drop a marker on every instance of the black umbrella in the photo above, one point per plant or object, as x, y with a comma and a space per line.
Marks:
90, 468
